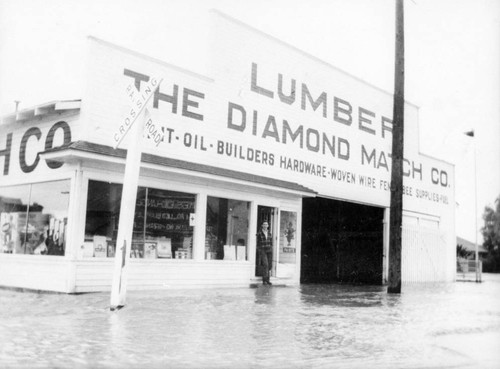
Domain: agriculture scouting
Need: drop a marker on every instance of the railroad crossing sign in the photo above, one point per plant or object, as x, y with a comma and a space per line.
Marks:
139, 100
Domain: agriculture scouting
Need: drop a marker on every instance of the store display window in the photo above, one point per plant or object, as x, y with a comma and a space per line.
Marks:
34, 217
226, 229
288, 237
162, 222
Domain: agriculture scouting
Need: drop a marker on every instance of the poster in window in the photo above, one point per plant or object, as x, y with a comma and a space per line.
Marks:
288, 237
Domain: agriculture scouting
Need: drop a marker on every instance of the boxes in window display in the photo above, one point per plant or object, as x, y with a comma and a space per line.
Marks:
164, 248
111, 249
93, 248
100, 246
137, 250
209, 255
183, 254
87, 250
150, 250
229, 252
234, 252
187, 247
241, 253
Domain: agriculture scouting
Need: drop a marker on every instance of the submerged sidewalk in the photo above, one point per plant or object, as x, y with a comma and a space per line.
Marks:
312, 326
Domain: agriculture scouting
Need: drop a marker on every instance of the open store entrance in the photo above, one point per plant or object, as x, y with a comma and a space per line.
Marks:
342, 242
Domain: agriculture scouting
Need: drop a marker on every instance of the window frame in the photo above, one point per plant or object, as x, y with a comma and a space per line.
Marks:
68, 224
247, 245
143, 183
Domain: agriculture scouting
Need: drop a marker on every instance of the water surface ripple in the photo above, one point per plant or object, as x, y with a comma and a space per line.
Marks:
311, 326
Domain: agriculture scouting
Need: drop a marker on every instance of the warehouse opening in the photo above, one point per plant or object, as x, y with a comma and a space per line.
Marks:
342, 242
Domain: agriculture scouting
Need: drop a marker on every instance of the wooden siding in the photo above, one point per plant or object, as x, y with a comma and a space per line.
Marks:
423, 255
45, 273
96, 275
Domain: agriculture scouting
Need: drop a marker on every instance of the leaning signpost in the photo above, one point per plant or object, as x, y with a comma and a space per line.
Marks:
138, 113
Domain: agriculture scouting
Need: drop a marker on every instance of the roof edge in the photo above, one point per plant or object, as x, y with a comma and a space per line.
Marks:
40, 110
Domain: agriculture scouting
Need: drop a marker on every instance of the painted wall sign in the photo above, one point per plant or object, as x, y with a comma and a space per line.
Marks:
262, 117
284, 115
20, 148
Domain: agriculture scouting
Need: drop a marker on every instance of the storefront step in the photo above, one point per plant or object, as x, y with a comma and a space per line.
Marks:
276, 282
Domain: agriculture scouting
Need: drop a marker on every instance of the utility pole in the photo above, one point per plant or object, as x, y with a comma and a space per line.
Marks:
476, 258
396, 214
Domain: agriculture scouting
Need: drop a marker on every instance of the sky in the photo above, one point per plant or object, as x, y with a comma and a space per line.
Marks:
452, 69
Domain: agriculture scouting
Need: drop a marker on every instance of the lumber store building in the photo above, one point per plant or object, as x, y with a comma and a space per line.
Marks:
270, 133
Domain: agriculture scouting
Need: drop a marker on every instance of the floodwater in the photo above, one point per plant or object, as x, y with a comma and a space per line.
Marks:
311, 326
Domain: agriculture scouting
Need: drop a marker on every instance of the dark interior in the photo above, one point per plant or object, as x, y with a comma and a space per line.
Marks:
342, 242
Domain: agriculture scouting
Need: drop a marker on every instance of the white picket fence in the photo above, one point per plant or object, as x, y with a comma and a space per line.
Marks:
469, 270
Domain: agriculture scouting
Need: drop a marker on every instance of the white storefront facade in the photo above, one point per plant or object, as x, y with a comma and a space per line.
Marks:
268, 128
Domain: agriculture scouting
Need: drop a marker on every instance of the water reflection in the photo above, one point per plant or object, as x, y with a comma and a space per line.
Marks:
308, 326
343, 295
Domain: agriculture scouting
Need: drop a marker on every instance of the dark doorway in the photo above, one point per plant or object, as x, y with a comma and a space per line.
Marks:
264, 213
342, 242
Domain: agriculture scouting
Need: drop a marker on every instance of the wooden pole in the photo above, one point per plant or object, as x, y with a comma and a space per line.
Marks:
476, 258
127, 212
138, 111
396, 214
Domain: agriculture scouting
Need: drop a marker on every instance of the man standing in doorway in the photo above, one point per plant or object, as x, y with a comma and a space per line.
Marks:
265, 249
